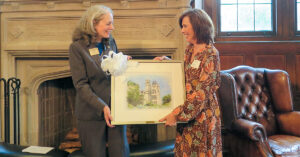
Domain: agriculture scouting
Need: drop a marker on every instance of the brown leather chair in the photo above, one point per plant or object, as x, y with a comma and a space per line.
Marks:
258, 116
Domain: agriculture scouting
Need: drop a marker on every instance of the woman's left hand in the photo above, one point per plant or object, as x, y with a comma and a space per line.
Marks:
129, 57
170, 119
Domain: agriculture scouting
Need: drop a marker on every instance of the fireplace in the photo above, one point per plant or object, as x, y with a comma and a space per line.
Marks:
56, 110
35, 37
57, 123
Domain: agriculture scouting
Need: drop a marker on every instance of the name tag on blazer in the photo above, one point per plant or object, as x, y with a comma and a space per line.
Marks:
196, 64
94, 51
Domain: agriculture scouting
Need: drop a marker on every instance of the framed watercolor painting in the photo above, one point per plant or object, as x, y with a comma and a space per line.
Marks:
147, 91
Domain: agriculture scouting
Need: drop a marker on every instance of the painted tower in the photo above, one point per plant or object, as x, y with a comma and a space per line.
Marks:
151, 93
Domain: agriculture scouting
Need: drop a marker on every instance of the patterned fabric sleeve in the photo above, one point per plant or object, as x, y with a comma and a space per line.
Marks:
201, 89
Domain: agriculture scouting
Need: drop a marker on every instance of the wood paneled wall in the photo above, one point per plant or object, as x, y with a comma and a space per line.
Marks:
280, 51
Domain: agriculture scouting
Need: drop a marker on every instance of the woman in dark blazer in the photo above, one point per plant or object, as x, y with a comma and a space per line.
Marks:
92, 40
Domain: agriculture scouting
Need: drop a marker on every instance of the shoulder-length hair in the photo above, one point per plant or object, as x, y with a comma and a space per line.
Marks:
85, 29
202, 25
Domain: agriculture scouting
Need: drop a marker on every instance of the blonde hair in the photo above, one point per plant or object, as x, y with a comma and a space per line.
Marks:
85, 29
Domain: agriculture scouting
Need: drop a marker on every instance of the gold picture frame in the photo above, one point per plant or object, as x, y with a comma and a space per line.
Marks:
147, 91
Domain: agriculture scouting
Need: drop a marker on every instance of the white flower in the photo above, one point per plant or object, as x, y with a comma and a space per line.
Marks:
114, 63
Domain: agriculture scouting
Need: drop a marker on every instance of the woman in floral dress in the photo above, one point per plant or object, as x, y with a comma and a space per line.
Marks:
201, 135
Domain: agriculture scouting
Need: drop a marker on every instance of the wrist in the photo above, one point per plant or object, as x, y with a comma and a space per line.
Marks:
176, 111
105, 108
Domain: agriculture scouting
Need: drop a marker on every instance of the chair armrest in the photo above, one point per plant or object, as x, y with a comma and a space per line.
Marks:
252, 130
289, 123
228, 99
255, 132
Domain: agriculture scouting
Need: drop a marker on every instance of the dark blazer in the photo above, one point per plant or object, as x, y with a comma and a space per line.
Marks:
93, 86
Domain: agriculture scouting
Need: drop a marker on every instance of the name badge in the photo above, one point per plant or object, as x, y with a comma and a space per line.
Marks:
196, 64
94, 51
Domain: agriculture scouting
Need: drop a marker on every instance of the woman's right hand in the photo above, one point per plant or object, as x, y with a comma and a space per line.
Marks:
107, 116
161, 58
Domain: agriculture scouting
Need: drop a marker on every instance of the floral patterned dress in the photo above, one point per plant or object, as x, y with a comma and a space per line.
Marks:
201, 136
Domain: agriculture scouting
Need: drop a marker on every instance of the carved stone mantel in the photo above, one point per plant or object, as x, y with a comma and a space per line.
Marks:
36, 34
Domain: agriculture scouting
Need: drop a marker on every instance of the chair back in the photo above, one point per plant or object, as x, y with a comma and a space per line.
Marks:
245, 93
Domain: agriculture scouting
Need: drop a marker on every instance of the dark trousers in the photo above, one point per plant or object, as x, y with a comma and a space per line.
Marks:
95, 136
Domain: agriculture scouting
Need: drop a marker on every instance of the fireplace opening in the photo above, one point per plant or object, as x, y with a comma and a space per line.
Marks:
57, 123
56, 111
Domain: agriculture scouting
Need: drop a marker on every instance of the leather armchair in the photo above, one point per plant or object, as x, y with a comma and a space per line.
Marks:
257, 113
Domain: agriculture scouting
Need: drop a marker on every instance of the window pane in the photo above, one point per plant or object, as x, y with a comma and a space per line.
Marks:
245, 18
198, 4
228, 18
245, 1
228, 1
298, 16
263, 17
262, 1
246, 15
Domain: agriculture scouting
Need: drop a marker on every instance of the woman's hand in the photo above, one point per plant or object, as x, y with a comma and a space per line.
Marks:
129, 57
170, 119
161, 58
107, 116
